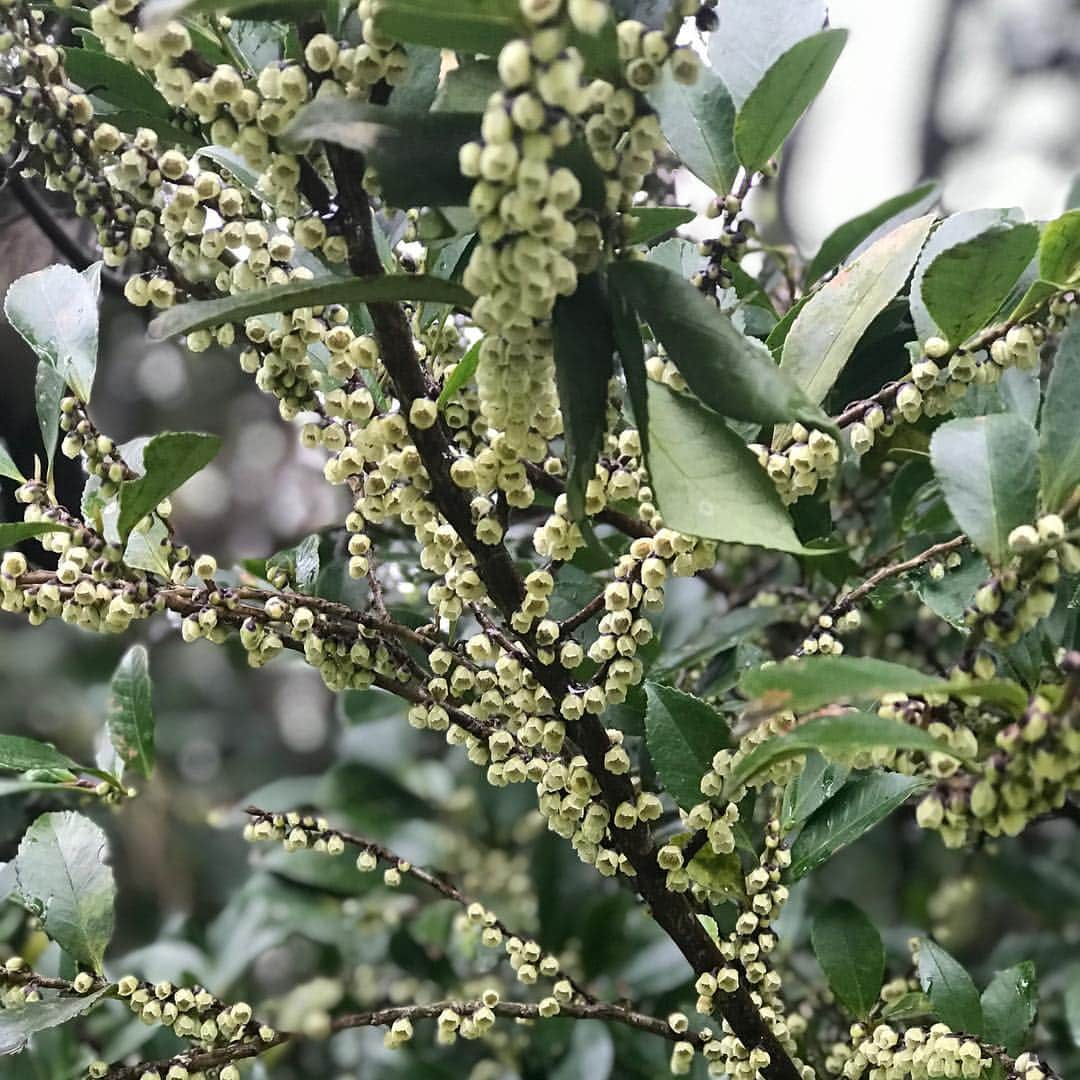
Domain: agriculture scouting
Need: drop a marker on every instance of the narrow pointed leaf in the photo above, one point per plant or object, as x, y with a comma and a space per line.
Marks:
584, 363
184, 318
860, 805
15, 532
784, 93
851, 235
130, 716
844, 734
651, 222
463, 371
49, 390
833, 321
729, 372
1059, 449
8, 468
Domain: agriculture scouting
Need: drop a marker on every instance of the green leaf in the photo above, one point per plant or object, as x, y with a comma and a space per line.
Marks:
950, 989
1059, 249
811, 682
908, 1006
1038, 292
957, 229
63, 878
1059, 449
1009, 1004
384, 288
682, 733
168, 461
147, 547
467, 88
751, 35
8, 467
18, 754
651, 222
729, 372
706, 481
584, 363
1072, 1003
468, 26
115, 82
12, 533
130, 120
18, 1023
301, 563
853, 811
965, 286
819, 780
833, 320
414, 154
64, 335
846, 238
849, 950
159, 11
130, 716
783, 95
463, 371
989, 473
844, 733
49, 390
699, 123
631, 350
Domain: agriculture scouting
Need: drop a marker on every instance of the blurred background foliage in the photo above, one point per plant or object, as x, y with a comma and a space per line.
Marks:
981, 93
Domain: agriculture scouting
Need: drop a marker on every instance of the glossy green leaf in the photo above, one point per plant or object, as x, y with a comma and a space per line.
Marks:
729, 372
463, 372
851, 235
1059, 249
169, 134
19, 1022
15, 532
468, 87
115, 82
49, 391
168, 461
651, 222
300, 563
698, 122
849, 950
860, 805
909, 1006
64, 335
8, 468
62, 876
819, 781
965, 286
18, 754
1009, 1004
384, 288
1059, 448
833, 320
843, 734
631, 351
706, 481
1038, 292
989, 472
130, 715
956, 229
950, 989
682, 733
812, 682
584, 363
468, 26
784, 93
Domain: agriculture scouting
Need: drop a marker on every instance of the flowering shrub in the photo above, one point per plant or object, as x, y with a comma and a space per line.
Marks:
439, 234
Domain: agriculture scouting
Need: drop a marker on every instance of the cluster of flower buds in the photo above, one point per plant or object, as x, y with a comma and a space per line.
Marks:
807, 460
